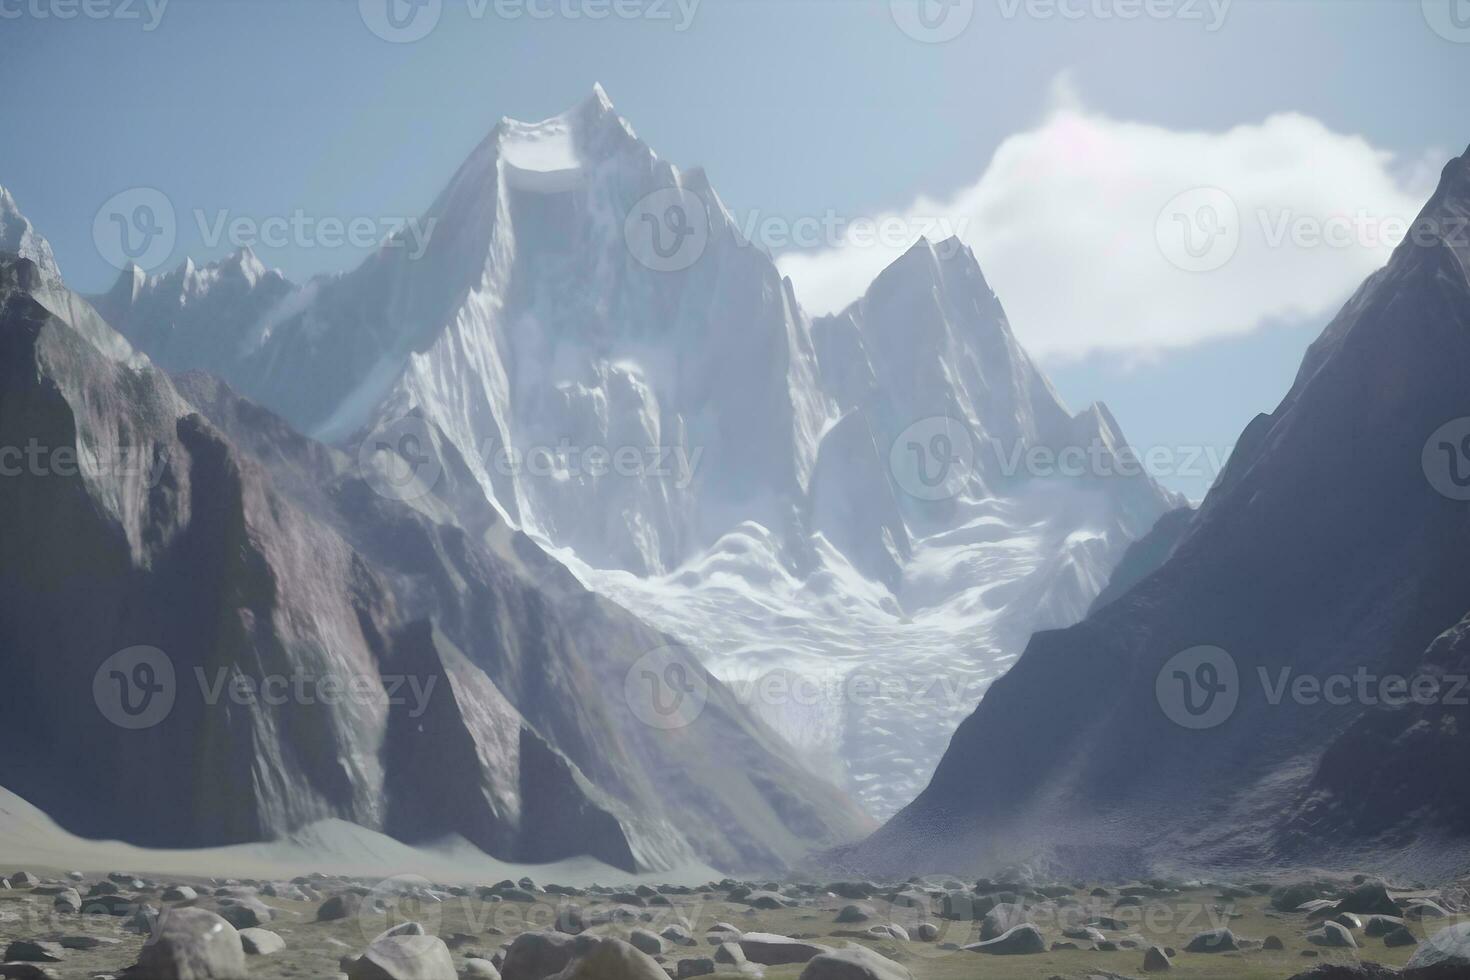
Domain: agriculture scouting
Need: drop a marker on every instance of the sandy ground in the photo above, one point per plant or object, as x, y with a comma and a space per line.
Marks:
29, 838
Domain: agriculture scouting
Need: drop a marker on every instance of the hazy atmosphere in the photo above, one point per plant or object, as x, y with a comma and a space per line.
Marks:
812, 489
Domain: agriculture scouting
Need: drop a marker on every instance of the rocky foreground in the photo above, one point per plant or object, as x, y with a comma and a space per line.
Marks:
63, 925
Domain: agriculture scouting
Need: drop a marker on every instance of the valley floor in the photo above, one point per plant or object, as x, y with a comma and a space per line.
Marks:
481, 921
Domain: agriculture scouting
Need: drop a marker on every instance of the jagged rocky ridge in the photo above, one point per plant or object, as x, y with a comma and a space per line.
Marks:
242, 549
1332, 545
770, 523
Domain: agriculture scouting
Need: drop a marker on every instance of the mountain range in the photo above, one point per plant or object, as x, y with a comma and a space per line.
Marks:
828, 503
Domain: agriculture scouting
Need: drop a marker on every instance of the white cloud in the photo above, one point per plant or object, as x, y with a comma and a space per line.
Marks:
1070, 223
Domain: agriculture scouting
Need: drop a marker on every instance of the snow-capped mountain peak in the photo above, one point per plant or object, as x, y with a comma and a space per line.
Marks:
633, 384
18, 235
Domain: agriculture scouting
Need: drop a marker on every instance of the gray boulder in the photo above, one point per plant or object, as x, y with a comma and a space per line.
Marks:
854, 963
1212, 941
1023, 939
537, 955
612, 959
698, 966
192, 944
768, 949
25, 951
1444, 954
1002, 919
261, 942
1400, 937
1382, 925
404, 953
340, 906
1333, 935
729, 954
1156, 960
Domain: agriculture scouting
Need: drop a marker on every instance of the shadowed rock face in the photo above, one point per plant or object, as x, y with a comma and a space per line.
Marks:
1324, 548
456, 679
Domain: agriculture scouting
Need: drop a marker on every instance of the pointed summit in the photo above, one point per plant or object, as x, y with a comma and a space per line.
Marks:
18, 235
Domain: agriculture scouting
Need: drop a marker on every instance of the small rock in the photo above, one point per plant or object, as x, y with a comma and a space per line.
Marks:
261, 942
1333, 935
1381, 925
699, 966
339, 907
1155, 960
25, 951
1399, 937
67, 900
1212, 941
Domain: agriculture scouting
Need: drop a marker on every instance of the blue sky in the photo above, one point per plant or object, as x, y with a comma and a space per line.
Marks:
795, 108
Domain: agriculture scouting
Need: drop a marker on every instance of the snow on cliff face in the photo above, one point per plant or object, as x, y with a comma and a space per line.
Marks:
633, 384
